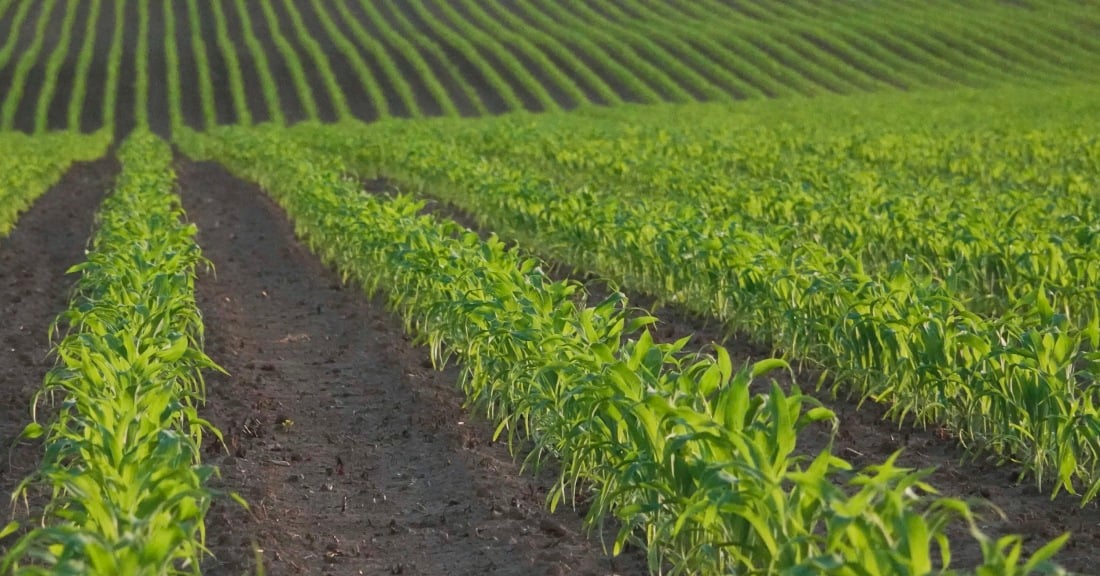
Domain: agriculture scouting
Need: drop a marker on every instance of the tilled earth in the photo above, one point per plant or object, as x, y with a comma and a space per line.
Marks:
34, 289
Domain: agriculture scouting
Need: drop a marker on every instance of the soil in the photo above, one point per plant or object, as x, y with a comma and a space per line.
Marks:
356, 455
1006, 504
34, 289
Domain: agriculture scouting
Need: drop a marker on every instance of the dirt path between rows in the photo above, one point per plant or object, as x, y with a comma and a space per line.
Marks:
355, 454
47, 240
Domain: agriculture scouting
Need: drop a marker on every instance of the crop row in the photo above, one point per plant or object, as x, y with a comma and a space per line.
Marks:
946, 315
671, 444
317, 60
30, 165
122, 454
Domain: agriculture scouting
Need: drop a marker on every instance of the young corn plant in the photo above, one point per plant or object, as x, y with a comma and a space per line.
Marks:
122, 456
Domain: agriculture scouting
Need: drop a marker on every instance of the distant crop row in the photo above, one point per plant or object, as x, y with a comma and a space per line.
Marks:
30, 165
326, 60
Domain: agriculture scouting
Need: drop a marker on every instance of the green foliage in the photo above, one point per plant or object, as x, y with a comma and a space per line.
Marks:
13, 93
873, 251
674, 445
53, 68
232, 60
30, 165
114, 65
202, 63
122, 457
84, 64
424, 58
259, 57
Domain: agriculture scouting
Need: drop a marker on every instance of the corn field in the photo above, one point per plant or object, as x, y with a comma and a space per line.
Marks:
900, 200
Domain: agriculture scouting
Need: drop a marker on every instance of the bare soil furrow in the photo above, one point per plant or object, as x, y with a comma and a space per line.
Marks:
48, 240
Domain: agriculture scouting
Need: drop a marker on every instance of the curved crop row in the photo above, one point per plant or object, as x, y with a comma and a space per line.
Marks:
458, 42
259, 58
53, 68
507, 39
685, 80
375, 52
427, 57
502, 57
1014, 381
571, 67
362, 70
83, 67
321, 61
407, 50
30, 165
202, 63
114, 66
172, 60
141, 57
17, 24
290, 58
431, 45
674, 445
605, 50
228, 49
122, 457
27, 61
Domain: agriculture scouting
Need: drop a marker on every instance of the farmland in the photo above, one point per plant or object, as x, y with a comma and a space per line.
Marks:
518, 286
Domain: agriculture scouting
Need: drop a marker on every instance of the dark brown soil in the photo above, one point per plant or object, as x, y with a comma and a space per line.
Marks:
355, 454
865, 437
34, 289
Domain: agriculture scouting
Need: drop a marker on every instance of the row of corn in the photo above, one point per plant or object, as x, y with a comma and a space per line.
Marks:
931, 258
672, 444
29, 165
122, 453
